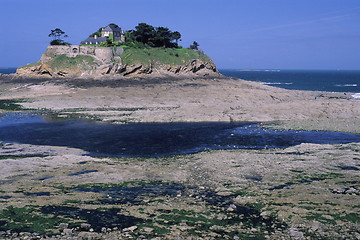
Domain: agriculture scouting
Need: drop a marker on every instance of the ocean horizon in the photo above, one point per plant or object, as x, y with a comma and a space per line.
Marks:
8, 70
310, 80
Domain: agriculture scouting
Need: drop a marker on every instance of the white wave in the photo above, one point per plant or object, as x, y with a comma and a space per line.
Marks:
258, 70
356, 95
276, 83
347, 85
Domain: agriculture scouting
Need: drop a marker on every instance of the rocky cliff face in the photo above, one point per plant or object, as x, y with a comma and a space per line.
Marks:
90, 61
195, 67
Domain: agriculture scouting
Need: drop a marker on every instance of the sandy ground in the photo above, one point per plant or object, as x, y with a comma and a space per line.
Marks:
307, 191
219, 99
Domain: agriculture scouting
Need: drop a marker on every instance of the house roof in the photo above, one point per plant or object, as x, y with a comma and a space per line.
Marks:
92, 40
111, 28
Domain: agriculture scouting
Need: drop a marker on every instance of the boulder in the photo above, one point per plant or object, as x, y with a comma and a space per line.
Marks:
295, 233
85, 226
67, 231
35, 70
138, 69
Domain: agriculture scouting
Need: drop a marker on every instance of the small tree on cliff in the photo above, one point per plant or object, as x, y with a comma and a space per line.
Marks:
195, 46
57, 35
176, 36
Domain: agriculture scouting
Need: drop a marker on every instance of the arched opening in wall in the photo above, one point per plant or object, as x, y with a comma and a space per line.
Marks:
75, 50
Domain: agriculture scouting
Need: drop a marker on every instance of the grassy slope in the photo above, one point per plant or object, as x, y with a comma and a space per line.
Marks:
64, 62
159, 56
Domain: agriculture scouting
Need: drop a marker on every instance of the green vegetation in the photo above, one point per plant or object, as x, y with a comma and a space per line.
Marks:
258, 206
154, 36
62, 61
202, 223
317, 177
351, 217
305, 179
110, 185
197, 223
194, 45
159, 56
27, 219
57, 35
72, 201
145, 34
333, 218
11, 105
2, 157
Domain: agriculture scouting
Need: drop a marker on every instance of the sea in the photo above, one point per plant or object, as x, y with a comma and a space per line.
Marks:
311, 80
7, 70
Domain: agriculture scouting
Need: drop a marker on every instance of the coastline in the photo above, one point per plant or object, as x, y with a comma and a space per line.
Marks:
350, 125
300, 192
185, 98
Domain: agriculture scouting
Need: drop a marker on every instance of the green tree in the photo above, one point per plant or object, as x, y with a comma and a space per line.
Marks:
57, 35
143, 32
195, 46
114, 25
176, 36
153, 36
129, 36
111, 37
108, 43
162, 37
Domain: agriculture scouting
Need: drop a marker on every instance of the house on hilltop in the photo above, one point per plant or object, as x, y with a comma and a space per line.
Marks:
94, 40
111, 31
114, 31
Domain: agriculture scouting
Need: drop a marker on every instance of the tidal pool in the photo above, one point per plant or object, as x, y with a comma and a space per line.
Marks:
154, 139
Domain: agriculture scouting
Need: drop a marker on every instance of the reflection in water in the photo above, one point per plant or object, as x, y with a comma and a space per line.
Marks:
154, 139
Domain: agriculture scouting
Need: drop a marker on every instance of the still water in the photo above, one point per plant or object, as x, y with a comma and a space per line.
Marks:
154, 139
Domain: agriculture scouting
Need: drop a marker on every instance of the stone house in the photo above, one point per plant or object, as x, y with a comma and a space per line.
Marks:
110, 31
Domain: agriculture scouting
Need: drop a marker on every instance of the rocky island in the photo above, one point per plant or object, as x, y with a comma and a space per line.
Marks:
94, 61
105, 55
305, 190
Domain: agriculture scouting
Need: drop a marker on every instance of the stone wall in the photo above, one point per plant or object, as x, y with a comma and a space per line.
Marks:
101, 54
105, 54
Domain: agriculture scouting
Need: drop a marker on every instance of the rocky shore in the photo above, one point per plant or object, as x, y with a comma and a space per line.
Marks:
185, 99
308, 191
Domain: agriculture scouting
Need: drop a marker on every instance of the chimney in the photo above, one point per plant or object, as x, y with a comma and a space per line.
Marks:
95, 36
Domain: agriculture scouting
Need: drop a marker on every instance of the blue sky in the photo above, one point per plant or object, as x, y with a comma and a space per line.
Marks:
241, 34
